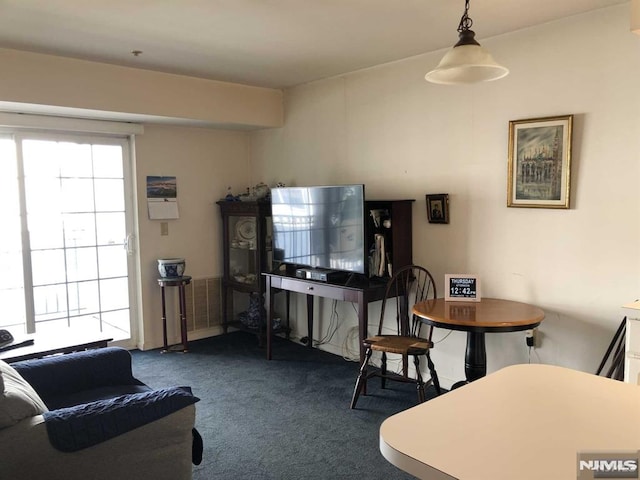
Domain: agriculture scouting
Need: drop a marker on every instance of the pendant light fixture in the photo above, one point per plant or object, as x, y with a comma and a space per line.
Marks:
467, 61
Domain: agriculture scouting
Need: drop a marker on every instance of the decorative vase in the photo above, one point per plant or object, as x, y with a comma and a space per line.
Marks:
171, 267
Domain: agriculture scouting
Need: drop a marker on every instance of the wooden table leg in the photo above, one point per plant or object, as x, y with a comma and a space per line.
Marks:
363, 330
310, 321
363, 323
288, 298
164, 320
269, 308
183, 318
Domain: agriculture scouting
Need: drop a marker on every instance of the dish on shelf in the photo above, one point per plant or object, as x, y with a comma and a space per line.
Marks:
246, 229
248, 278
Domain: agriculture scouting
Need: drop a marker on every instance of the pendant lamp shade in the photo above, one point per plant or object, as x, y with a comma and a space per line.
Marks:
467, 62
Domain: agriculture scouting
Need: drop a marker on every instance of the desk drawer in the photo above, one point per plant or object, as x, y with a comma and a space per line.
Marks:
313, 288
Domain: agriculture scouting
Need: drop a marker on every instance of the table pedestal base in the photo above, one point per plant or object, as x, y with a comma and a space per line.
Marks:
475, 359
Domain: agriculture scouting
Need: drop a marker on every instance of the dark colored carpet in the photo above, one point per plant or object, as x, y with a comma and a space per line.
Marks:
288, 418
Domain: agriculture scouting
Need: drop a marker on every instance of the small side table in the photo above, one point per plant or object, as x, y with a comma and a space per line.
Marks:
179, 282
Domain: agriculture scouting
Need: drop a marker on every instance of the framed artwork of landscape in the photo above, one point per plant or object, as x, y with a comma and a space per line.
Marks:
539, 171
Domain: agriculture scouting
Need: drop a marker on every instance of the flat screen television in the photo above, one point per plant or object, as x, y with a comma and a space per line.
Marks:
320, 227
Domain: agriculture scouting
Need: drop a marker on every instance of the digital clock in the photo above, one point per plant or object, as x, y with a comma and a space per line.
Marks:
461, 287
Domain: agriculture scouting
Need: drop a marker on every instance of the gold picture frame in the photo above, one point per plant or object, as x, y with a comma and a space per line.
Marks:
539, 169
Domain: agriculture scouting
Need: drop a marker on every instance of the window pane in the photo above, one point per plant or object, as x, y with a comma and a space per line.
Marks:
107, 161
11, 270
109, 195
9, 172
116, 324
54, 328
74, 159
45, 231
82, 264
79, 229
111, 228
114, 294
83, 298
112, 261
47, 266
39, 160
11, 280
12, 301
50, 302
77, 195
86, 323
43, 195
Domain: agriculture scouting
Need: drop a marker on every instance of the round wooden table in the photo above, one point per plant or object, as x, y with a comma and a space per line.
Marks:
489, 315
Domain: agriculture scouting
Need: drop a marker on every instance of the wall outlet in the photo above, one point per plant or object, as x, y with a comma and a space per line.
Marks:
531, 338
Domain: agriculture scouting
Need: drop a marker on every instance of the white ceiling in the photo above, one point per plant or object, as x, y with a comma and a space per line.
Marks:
270, 43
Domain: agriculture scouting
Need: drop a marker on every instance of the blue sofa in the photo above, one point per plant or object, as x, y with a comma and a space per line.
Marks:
86, 416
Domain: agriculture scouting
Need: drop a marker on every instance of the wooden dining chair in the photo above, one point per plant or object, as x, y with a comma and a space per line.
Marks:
613, 360
400, 335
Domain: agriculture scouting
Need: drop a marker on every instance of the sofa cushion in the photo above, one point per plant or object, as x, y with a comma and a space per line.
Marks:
18, 400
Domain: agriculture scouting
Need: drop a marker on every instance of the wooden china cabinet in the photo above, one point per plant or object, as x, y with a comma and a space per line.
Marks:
247, 253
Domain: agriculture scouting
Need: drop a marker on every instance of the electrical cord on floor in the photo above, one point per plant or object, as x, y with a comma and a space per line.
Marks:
532, 349
333, 325
352, 336
442, 339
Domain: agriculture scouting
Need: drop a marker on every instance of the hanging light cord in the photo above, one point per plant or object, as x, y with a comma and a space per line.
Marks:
465, 22
465, 34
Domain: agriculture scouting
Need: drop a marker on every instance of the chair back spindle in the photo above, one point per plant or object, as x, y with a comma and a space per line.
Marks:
409, 285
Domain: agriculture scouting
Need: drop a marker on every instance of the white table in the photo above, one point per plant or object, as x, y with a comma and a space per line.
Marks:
524, 422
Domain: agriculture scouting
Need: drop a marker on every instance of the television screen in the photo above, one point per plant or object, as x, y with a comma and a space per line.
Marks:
321, 227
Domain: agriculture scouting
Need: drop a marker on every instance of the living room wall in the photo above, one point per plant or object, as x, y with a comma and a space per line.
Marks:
205, 162
404, 138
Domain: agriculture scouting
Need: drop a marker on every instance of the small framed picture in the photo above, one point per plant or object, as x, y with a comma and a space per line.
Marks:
540, 162
438, 208
461, 287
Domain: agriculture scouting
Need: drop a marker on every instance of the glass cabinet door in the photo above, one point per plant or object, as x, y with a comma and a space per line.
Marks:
243, 244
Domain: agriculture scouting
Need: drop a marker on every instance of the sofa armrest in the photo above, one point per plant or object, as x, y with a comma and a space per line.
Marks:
161, 449
75, 372
75, 428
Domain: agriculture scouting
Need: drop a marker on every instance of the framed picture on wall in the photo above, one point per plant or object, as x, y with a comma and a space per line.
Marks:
438, 208
539, 170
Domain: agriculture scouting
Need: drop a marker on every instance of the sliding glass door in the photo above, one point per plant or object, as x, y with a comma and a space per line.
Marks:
68, 262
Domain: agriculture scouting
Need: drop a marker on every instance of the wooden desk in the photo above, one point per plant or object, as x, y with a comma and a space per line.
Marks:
477, 318
528, 422
361, 293
44, 345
